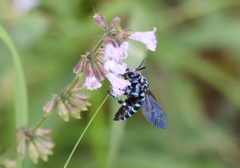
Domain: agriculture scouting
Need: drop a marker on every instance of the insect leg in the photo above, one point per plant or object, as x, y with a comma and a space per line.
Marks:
119, 101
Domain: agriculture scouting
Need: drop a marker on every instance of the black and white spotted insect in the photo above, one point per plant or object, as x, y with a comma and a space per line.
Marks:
138, 96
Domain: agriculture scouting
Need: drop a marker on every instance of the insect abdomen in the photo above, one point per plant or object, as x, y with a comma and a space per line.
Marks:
127, 111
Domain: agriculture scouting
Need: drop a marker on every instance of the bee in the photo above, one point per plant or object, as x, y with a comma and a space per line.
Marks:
138, 95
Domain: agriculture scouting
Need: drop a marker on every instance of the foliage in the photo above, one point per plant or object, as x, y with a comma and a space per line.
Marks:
194, 75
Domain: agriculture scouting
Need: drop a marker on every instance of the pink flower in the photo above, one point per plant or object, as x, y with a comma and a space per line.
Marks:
118, 84
148, 38
113, 56
119, 69
124, 48
92, 83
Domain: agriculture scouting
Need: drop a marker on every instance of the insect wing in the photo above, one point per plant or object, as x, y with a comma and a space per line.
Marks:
152, 112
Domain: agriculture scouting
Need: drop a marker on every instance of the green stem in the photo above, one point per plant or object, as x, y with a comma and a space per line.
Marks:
70, 156
13, 148
20, 93
38, 125
96, 48
69, 88
4, 35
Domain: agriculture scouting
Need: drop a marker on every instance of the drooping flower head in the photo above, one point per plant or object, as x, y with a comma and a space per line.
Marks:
72, 103
107, 60
39, 143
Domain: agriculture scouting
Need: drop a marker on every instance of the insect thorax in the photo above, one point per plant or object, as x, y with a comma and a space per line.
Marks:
139, 84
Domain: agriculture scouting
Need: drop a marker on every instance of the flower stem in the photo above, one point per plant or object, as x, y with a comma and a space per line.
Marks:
69, 88
38, 125
96, 48
67, 91
70, 156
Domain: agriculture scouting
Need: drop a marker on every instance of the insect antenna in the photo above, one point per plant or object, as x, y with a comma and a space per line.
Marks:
139, 68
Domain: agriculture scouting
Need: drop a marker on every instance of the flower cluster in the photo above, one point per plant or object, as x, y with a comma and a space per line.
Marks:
73, 104
38, 144
95, 71
107, 61
104, 61
8, 164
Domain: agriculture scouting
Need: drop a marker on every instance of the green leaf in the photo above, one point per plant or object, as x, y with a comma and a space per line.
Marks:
21, 105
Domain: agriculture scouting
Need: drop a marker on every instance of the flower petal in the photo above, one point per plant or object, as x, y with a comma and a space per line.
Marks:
124, 48
148, 38
113, 56
110, 64
119, 69
118, 84
92, 83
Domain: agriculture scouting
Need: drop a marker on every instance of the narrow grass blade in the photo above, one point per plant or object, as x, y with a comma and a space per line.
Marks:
21, 105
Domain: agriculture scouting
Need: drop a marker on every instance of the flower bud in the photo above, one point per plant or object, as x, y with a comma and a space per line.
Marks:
79, 95
79, 83
101, 68
89, 70
22, 146
107, 39
75, 101
98, 73
100, 52
43, 150
33, 152
79, 86
127, 32
88, 103
46, 142
44, 157
63, 110
76, 115
115, 43
75, 111
50, 106
120, 38
80, 67
38, 143
83, 107
9, 163
45, 133
115, 23
100, 57
100, 21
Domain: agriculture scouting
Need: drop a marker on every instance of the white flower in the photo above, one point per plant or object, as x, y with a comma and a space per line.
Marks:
148, 38
118, 85
113, 56
92, 83
119, 69
25, 5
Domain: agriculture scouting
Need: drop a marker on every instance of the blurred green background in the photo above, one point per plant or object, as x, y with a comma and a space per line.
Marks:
194, 75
